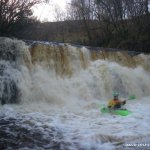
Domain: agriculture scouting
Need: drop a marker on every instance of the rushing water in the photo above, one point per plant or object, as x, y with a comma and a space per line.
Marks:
51, 98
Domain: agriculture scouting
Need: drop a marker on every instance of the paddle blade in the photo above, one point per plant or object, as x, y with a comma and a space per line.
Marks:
100, 105
131, 97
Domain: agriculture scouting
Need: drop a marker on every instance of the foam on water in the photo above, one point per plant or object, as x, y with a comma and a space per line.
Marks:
70, 104
88, 128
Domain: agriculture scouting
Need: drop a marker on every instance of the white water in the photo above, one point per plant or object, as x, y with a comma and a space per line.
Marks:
71, 103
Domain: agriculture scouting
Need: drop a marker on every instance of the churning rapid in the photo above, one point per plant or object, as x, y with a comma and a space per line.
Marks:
51, 94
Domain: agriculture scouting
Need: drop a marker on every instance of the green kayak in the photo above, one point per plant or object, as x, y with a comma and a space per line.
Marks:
122, 112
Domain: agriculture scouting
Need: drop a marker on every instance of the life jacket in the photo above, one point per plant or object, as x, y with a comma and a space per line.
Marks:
113, 103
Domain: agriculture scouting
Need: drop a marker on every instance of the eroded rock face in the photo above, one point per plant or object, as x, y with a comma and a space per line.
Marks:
8, 86
11, 54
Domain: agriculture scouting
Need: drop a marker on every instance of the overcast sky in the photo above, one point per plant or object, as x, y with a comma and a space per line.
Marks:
46, 12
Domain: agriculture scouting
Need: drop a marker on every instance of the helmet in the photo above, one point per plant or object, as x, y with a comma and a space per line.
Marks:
115, 94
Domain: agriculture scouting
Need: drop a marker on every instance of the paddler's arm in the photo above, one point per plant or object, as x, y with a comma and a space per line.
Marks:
123, 102
110, 105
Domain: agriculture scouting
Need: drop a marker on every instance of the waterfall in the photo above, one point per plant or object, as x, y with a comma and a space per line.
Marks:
11, 58
51, 95
59, 73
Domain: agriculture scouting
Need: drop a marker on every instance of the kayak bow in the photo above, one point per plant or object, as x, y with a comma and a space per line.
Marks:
121, 112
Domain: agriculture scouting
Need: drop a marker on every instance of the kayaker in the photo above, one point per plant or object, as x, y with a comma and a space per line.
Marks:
115, 103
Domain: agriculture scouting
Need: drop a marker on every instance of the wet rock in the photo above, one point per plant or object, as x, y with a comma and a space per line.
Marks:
8, 87
17, 134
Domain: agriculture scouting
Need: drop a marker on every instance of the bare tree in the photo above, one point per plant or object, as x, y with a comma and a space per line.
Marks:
60, 17
81, 10
136, 8
13, 12
59, 13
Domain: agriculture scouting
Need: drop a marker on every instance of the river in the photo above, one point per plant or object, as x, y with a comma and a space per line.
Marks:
51, 95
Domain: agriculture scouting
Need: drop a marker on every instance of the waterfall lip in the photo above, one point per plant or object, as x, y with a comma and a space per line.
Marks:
91, 48
32, 42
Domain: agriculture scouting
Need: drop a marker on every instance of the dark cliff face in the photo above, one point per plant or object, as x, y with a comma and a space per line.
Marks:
9, 50
8, 86
9, 62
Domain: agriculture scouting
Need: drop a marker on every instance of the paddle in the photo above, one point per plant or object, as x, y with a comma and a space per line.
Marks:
100, 105
131, 97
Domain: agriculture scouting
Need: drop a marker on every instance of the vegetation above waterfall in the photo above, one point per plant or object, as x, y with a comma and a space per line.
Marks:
123, 24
